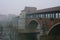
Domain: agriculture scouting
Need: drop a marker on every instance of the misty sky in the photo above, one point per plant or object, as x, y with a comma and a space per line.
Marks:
15, 6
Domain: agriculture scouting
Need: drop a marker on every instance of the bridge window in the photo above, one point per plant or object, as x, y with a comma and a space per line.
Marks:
43, 16
57, 15
37, 15
48, 15
31, 16
53, 15
40, 15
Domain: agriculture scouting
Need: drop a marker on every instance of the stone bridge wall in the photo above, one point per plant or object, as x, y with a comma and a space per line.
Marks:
46, 23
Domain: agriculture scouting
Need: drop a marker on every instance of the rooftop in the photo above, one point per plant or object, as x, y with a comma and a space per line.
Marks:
57, 8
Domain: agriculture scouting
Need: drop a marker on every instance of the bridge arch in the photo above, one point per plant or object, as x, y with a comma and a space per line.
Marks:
54, 30
32, 25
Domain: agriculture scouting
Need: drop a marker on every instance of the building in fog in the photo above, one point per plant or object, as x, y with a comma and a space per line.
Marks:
8, 32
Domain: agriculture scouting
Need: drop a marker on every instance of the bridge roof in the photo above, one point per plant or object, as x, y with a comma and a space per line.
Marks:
57, 8
52, 9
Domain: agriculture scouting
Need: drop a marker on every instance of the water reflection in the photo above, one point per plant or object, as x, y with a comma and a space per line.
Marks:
29, 36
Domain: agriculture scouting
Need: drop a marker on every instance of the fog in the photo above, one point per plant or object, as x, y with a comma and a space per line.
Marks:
15, 6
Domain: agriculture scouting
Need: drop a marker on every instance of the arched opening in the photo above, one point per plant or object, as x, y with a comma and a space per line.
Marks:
54, 33
31, 34
32, 25
55, 30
